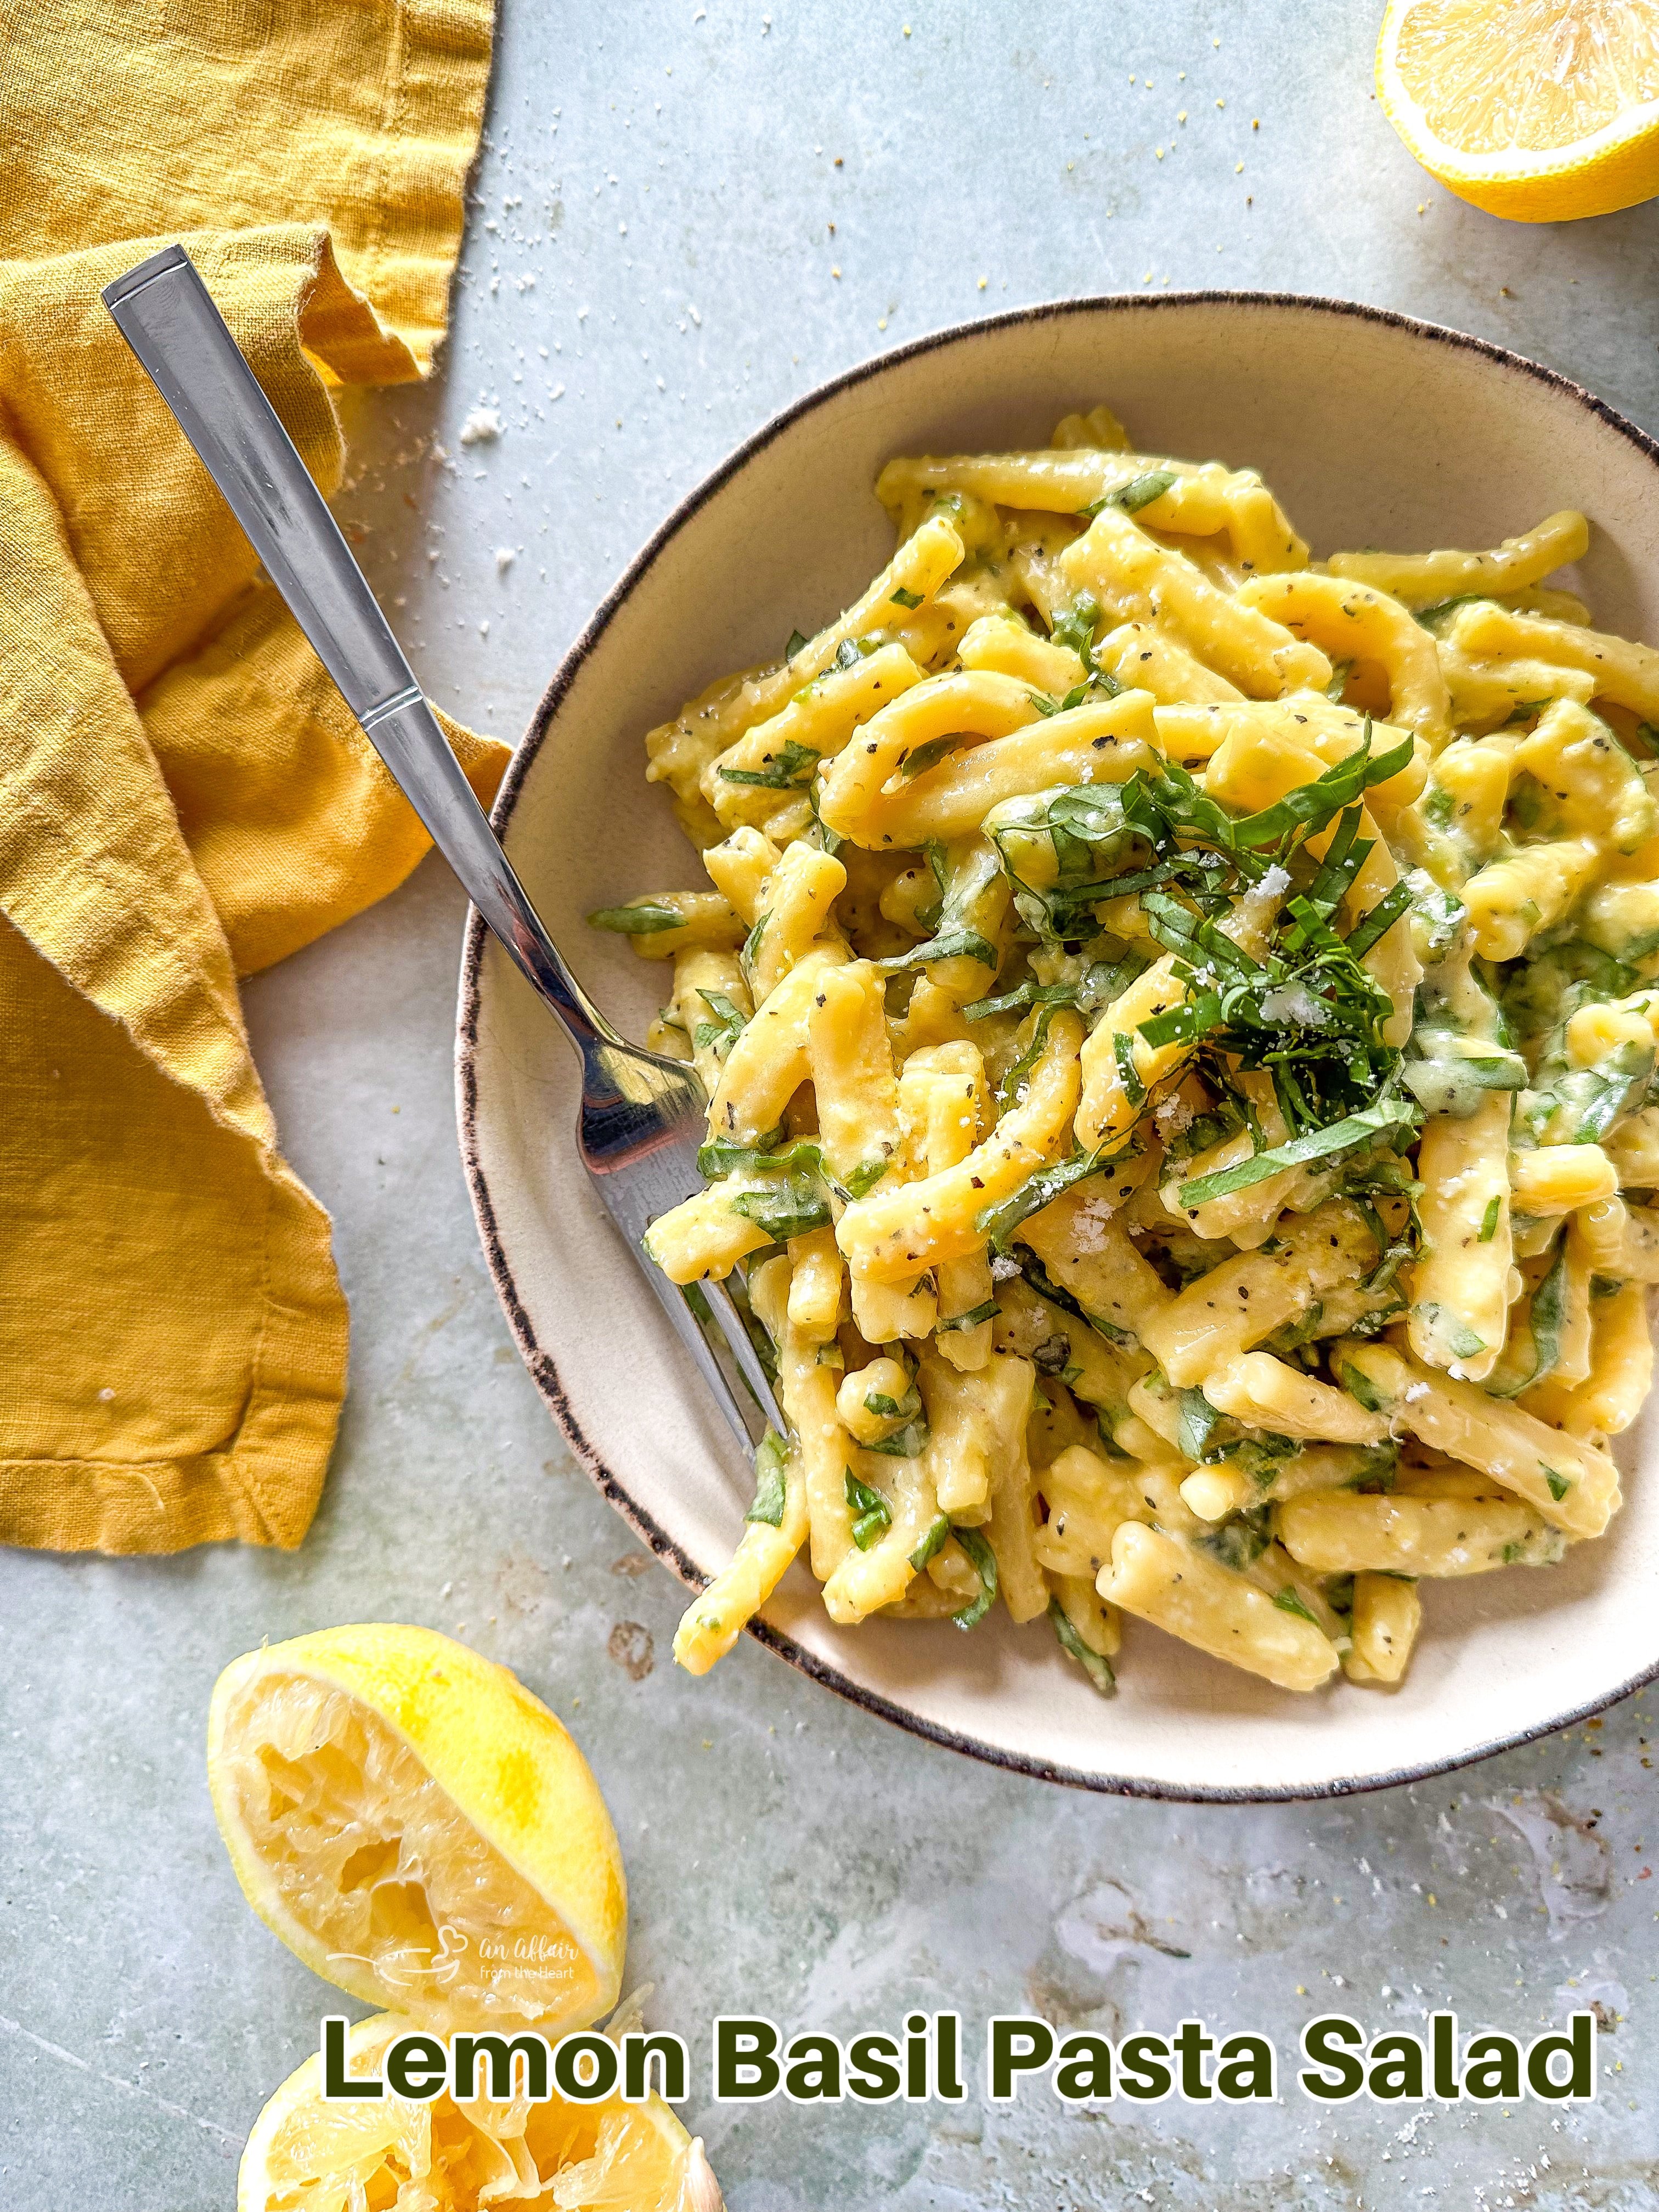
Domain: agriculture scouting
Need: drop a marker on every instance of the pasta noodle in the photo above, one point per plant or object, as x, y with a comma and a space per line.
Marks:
1180, 1023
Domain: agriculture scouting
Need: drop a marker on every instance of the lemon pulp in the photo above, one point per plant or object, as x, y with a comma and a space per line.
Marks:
305, 2155
1528, 76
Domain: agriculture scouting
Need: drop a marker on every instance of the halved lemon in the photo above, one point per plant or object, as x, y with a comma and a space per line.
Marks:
305, 2155
419, 1829
1540, 110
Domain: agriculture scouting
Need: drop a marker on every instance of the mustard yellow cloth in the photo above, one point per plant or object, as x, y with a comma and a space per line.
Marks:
183, 797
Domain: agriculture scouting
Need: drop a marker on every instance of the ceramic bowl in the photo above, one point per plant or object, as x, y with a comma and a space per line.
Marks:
1373, 430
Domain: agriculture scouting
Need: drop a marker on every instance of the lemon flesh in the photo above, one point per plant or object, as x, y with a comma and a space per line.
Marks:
1540, 109
419, 1830
305, 2155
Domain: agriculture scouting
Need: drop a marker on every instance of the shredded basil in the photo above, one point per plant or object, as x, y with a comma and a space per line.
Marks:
642, 919
1430, 616
1375, 926
886, 1409
724, 1156
1097, 1667
871, 1515
983, 1561
1064, 851
791, 769
901, 598
971, 1319
1311, 805
966, 874
956, 944
1141, 491
998, 1223
921, 757
771, 1456
1075, 627
1559, 1485
1490, 1219
1287, 1601
937, 1535
783, 1213
1361, 1387
863, 1180
1549, 1317
910, 1442
1388, 1117
1023, 994
1238, 1543
724, 1030
792, 1203
1196, 1422
1123, 1052
1450, 1329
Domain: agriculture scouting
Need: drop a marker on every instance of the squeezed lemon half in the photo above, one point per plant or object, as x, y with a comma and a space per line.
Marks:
419, 1829
305, 2155
1540, 110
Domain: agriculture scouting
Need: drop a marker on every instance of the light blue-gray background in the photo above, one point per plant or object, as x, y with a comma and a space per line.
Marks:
649, 271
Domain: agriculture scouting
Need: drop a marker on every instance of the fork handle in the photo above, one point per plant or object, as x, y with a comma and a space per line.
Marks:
167, 317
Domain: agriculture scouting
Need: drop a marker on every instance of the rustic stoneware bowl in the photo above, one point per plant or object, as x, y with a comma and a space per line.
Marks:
1373, 430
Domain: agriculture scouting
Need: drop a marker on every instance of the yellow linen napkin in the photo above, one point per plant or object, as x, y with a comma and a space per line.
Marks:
183, 796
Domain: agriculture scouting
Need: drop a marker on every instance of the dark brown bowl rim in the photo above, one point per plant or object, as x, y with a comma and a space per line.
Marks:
544, 1372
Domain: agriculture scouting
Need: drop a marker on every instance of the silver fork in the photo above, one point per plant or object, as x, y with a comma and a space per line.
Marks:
643, 1116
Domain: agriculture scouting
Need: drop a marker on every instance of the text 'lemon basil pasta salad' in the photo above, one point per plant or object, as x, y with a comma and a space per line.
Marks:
1178, 1034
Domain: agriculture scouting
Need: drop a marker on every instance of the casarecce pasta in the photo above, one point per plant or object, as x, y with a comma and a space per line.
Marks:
1180, 1023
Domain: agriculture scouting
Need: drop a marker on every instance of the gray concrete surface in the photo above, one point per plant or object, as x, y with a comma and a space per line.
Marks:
650, 270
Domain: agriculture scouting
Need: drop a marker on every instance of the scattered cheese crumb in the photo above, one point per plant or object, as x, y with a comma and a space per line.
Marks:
1414, 1391
1295, 1002
505, 556
1089, 1222
1275, 883
1003, 1269
481, 427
